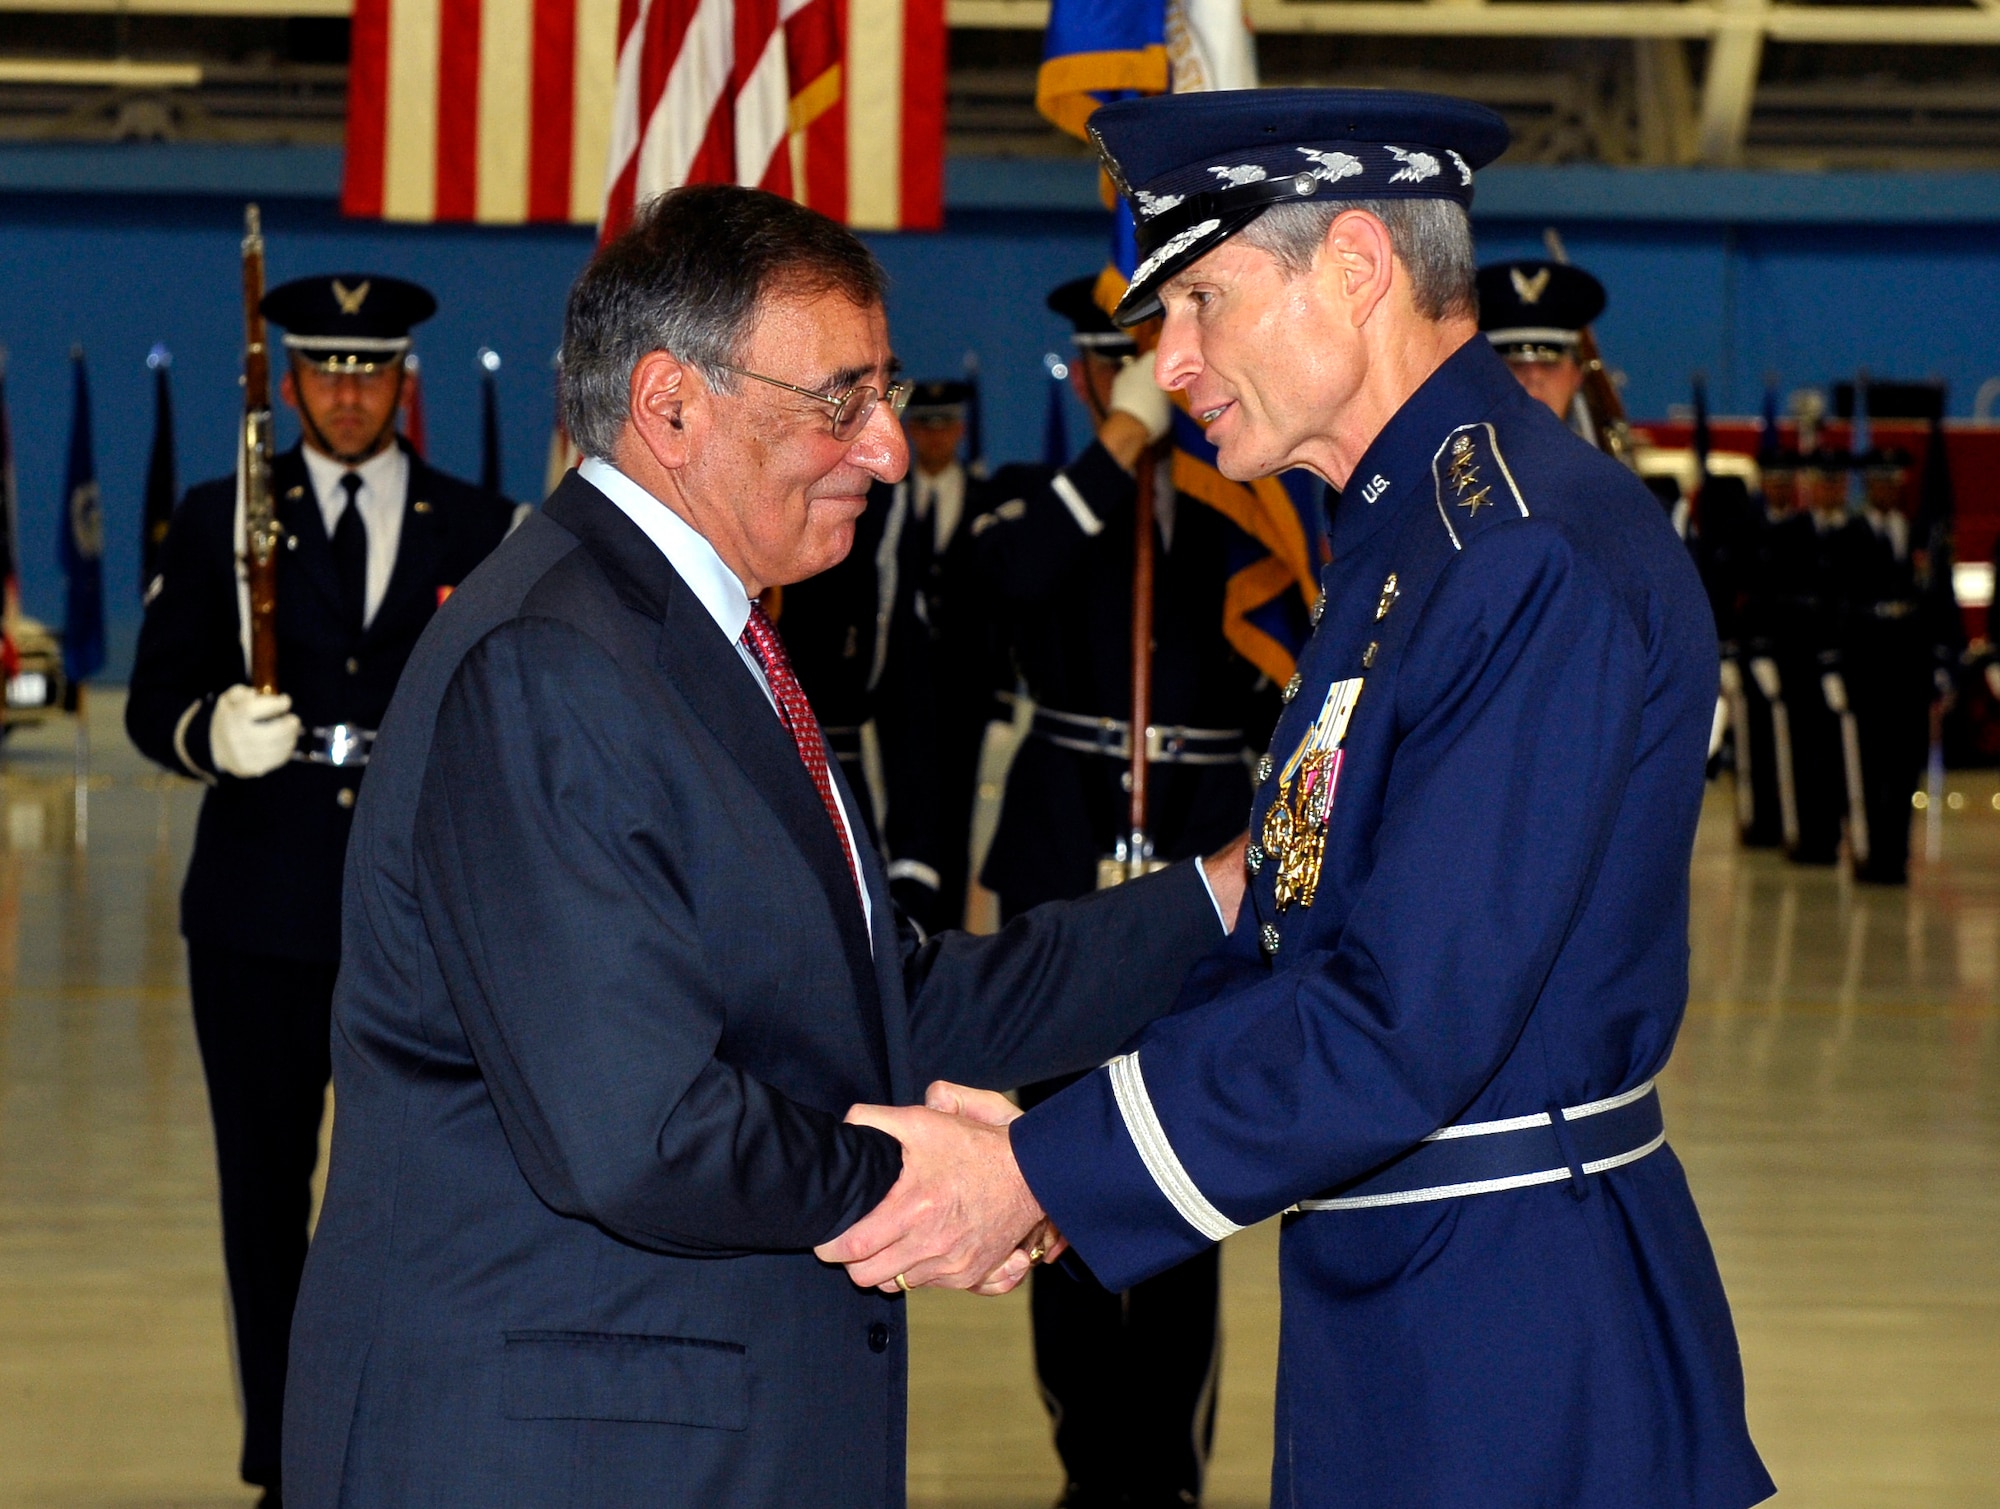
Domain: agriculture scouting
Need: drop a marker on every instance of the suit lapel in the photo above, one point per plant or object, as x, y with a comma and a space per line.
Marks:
306, 543
706, 671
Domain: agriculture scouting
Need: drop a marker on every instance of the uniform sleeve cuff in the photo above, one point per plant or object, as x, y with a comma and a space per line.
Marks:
1103, 1189
191, 741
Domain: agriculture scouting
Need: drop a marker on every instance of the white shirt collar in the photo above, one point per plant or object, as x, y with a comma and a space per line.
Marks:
686, 551
383, 476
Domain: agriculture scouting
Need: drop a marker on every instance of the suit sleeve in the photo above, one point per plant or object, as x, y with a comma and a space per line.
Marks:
1494, 818
1027, 545
190, 648
553, 881
1059, 989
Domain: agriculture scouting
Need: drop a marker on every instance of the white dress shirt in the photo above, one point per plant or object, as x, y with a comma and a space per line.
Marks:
385, 485
718, 590
941, 499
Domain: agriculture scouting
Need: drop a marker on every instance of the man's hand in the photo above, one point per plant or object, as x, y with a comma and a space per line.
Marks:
960, 1216
1227, 878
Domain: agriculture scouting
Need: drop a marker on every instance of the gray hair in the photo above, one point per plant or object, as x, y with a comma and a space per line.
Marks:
689, 277
1431, 237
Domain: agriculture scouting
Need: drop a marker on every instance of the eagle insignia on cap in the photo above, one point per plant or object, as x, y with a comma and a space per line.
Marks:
1529, 286
1417, 166
1236, 177
1332, 166
350, 300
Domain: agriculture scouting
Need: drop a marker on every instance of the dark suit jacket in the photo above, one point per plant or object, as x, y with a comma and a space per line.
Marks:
265, 876
605, 996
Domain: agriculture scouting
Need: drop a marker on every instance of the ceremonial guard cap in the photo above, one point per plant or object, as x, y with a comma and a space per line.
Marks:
1091, 328
1534, 311
937, 402
348, 322
1198, 168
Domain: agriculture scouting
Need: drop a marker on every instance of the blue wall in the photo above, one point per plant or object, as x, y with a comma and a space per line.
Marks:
1782, 293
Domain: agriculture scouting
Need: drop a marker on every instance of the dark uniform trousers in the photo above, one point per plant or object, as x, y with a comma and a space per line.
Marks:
261, 905
1128, 1377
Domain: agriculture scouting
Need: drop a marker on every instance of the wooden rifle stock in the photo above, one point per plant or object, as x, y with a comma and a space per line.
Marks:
260, 508
1134, 854
1600, 393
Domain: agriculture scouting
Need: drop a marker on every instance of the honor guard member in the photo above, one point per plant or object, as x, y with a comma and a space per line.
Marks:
1129, 1377
860, 644
1750, 677
1804, 623
374, 539
967, 660
1899, 646
1431, 1041
1533, 313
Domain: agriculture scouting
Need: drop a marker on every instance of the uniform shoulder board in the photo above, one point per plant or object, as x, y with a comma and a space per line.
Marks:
1474, 484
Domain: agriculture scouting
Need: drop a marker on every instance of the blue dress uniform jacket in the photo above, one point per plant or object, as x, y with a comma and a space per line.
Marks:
265, 877
605, 997
1499, 927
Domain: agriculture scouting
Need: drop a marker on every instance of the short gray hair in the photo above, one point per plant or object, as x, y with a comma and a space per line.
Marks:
688, 278
1431, 237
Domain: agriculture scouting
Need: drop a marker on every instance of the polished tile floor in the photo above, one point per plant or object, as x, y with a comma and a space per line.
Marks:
1835, 1095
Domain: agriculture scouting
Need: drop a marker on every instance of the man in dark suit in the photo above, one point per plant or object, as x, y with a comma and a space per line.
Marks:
619, 959
374, 539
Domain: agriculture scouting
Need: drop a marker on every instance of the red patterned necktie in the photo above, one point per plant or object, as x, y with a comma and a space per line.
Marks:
761, 635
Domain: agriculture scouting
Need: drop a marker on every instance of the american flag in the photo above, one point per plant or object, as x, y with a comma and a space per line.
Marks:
576, 110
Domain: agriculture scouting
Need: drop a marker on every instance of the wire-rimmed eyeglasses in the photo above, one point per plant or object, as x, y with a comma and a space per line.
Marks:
851, 409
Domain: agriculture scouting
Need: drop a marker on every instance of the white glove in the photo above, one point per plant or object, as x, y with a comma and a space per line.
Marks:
1765, 671
1134, 392
252, 733
1835, 691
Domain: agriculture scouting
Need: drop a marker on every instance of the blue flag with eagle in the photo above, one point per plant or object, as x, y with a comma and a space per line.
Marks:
80, 540
1096, 51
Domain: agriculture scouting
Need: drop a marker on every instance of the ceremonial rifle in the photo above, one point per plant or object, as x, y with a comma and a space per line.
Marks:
260, 508
1133, 855
1600, 393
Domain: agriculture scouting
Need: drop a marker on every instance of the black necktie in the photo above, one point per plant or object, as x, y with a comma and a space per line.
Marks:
350, 554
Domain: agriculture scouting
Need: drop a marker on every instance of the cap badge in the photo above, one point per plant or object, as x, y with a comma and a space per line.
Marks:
1236, 177
1331, 167
350, 299
1529, 288
1157, 204
1417, 166
1464, 168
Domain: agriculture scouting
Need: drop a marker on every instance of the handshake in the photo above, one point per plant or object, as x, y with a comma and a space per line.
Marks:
960, 1216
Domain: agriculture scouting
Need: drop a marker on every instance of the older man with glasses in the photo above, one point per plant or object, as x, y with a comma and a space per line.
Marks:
619, 954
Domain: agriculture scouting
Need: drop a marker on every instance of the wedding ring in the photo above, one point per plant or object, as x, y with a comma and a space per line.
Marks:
902, 1283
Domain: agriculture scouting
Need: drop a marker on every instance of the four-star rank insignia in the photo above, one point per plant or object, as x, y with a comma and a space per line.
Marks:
1472, 475
1295, 824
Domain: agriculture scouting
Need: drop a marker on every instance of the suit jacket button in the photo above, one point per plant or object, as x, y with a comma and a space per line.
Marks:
1253, 858
878, 1337
1292, 686
1264, 769
344, 798
353, 666
1268, 940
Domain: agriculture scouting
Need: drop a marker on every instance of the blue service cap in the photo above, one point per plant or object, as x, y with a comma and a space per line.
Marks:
1197, 168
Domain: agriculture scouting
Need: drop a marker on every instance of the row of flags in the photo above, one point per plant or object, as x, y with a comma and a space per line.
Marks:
518, 111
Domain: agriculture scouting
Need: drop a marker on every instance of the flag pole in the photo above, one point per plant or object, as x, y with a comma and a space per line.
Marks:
82, 777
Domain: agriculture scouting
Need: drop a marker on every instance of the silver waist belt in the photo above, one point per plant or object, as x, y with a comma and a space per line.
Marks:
1482, 1157
1166, 744
339, 744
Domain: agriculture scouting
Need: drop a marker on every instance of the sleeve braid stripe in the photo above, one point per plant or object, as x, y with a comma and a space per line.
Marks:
1150, 1138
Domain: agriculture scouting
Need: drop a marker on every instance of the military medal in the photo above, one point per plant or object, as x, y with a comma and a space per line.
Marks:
1295, 824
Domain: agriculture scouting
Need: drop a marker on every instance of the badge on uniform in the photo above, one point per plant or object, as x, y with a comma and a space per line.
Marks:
1295, 824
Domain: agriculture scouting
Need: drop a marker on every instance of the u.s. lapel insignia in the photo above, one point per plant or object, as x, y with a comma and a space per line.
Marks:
1295, 824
